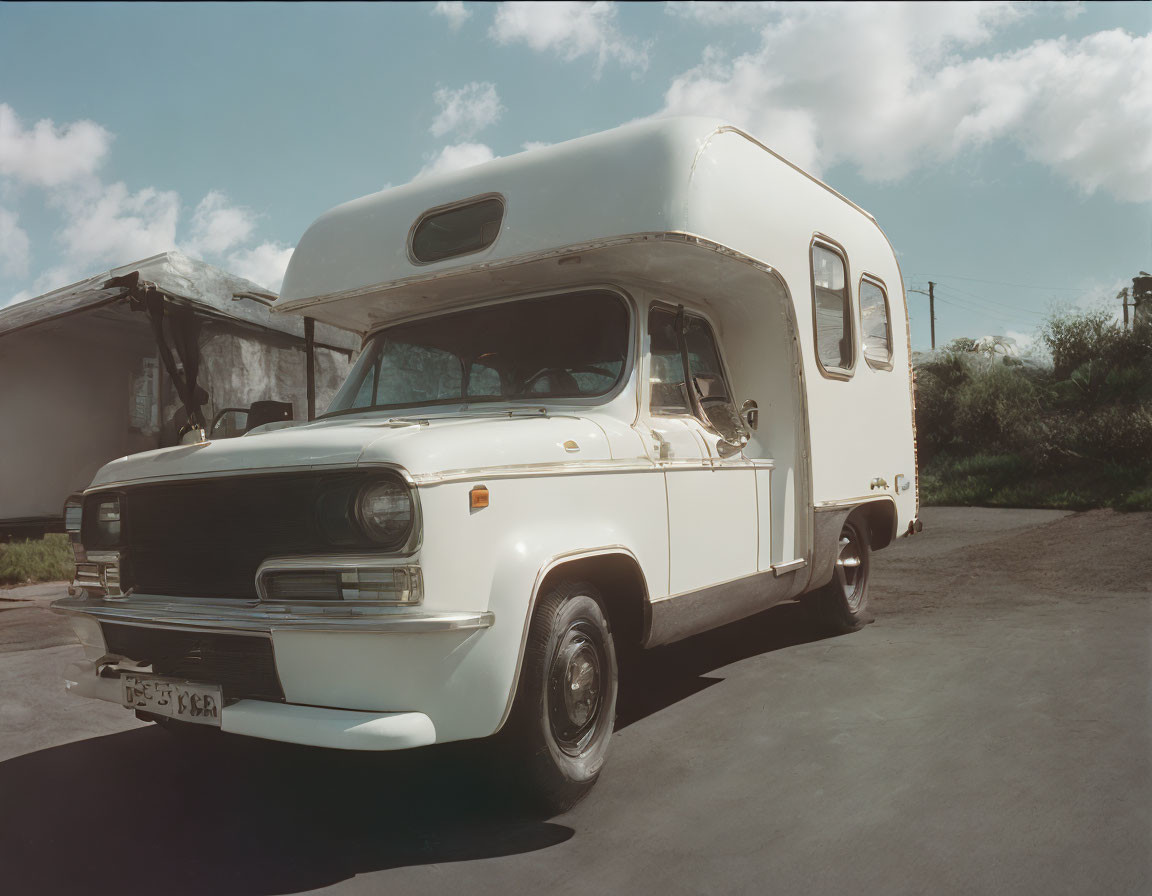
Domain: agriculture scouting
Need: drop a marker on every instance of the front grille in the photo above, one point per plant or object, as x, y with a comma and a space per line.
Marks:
242, 664
207, 538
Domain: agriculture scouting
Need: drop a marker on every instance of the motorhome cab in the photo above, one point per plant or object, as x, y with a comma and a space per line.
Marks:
612, 392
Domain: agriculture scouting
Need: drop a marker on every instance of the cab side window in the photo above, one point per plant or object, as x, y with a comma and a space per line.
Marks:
874, 322
711, 396
667, 374
833, 311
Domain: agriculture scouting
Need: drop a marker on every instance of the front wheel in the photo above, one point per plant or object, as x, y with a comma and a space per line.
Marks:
842, 604
565, 705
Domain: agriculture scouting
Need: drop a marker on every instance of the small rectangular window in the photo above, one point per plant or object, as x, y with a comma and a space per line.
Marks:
876, 330
833, 310
667, 373
459, 230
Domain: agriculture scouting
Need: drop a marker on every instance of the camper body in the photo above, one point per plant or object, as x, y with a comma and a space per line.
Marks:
613, 393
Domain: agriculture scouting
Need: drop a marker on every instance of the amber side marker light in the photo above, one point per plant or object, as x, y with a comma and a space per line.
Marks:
478, 497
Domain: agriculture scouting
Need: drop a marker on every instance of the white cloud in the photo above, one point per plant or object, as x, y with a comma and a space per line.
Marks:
720, 12
106, 224
15, 249
46, 155
264, 265
218, 226
883, 87
466, 111
569, 30
534, 144
454, 11
455, 157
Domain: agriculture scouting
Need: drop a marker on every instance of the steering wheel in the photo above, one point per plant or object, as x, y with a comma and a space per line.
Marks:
563, 377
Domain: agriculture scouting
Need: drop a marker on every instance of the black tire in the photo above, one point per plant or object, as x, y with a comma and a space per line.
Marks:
842, 604
558, 733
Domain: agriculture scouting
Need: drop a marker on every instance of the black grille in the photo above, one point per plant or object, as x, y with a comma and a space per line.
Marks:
242, 664
206, 538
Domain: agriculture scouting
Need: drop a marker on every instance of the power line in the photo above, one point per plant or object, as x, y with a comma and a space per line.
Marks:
971, 309
988, 305
1016, 285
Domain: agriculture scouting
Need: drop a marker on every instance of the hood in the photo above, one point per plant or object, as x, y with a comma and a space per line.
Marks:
434, 445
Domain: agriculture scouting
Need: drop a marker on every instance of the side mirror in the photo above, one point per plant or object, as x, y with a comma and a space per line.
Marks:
750, 414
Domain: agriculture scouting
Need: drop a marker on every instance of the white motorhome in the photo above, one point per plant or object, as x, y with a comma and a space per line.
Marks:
615, 391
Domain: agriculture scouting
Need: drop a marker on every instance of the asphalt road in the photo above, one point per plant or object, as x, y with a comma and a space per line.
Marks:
990, 733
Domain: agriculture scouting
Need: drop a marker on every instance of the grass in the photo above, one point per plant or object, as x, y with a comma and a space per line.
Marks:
1008, 480
47, 560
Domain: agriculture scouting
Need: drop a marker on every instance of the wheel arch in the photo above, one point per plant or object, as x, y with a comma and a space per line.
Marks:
617, 573
880, 517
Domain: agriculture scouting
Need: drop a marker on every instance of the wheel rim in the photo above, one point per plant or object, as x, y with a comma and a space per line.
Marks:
575, 688
850, 568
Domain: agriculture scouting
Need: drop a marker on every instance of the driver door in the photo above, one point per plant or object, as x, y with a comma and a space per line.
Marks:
712, 534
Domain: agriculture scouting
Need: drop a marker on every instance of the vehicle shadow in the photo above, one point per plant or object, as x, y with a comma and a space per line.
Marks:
652, 680
147, 811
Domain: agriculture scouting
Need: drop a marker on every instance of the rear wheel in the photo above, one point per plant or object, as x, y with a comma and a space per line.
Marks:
565, 707
842, 604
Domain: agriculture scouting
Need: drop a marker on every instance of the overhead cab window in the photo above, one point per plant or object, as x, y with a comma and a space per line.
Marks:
458, 230
875, 323
833, 311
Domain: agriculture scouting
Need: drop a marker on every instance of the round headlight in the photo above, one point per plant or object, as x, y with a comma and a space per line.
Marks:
384, 509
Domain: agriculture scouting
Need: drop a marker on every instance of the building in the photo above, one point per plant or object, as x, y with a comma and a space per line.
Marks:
130, 359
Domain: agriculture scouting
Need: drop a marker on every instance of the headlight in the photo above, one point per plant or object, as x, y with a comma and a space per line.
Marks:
384, 510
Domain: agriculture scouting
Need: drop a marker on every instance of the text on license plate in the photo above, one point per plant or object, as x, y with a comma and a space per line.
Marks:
200, 703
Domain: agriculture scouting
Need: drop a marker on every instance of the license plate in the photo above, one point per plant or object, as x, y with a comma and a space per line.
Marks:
183, 700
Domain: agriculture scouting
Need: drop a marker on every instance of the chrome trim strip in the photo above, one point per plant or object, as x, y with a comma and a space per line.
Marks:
269, 619
513, 471
780, 569
842, 503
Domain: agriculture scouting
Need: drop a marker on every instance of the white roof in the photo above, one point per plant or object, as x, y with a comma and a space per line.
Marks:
634, 179
188, 279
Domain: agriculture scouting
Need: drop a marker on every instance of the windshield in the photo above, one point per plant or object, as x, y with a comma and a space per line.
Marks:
568, 346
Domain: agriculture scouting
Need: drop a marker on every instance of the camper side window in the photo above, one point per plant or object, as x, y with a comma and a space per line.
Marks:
874, 323
833, 311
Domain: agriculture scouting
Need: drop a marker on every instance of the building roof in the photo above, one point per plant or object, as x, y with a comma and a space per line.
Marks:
186, 280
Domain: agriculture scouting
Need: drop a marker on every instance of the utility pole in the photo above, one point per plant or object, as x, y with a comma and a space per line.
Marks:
932, 307
1123, 297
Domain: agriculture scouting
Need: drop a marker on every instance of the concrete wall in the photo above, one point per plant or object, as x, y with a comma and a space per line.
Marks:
64, 403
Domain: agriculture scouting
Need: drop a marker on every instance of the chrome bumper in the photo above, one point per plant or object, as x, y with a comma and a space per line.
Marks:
314, 726
253, 617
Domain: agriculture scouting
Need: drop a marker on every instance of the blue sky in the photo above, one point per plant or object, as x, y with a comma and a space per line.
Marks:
1005, 148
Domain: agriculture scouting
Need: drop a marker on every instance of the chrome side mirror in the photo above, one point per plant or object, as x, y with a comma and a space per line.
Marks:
750, 414
726, 449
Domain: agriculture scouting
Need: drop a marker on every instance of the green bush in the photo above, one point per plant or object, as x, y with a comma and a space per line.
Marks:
992, 430
47, 560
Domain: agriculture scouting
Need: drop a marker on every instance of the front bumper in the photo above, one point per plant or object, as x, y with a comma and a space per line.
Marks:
256, 617
314, 726
354, 677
